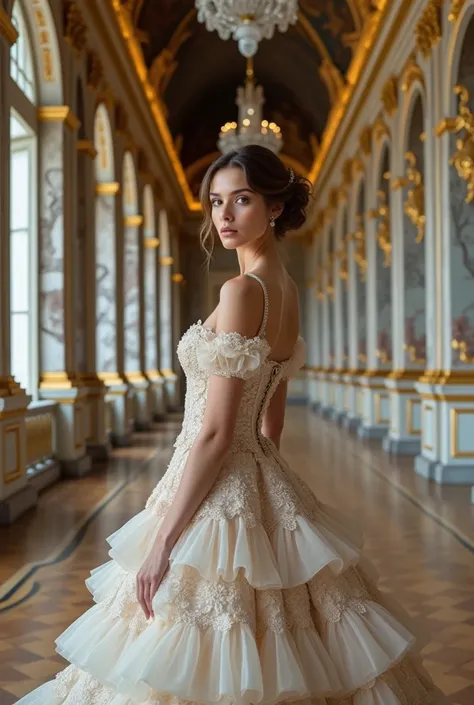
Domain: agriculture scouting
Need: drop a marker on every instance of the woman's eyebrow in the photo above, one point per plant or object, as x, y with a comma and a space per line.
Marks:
239, 190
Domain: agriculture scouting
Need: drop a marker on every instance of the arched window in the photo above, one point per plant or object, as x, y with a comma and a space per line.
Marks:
21, 56
23, 211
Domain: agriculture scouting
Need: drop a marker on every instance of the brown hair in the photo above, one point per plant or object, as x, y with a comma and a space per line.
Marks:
266, 174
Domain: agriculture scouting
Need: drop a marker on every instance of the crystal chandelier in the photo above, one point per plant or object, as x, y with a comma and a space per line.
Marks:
248, 21
250, 129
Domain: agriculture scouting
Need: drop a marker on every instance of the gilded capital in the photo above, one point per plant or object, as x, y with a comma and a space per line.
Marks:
380, 129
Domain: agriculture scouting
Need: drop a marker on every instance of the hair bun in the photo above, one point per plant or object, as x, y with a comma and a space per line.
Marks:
296, 199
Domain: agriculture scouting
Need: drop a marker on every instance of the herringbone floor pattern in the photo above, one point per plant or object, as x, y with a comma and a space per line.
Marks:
420, 539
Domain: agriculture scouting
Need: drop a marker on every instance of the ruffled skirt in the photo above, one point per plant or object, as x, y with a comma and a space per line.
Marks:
266, 601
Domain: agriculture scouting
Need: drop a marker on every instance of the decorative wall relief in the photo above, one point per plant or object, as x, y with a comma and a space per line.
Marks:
80, 258
106, 315
52, 353
342, 256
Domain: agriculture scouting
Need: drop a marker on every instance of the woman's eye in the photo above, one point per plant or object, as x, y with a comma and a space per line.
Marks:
243, 199
216, 202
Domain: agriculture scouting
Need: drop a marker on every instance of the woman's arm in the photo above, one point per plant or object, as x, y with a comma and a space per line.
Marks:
274, 419
239, 311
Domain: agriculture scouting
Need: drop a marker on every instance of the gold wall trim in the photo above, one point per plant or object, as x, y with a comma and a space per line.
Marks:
426, 409
151, 242
7, 29
59, 113
454, 427
133, 221
411, 430
17, 472
107, 188
134, 49
356, 70
166, 261
86, 147
378, 399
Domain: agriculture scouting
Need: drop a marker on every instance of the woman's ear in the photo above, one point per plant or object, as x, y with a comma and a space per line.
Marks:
276, 210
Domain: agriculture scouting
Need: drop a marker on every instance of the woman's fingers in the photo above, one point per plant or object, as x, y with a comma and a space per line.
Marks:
140, 594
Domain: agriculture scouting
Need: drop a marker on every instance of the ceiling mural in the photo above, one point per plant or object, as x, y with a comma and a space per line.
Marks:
196, 74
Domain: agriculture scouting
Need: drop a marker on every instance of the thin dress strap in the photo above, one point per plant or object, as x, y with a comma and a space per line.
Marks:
263, 327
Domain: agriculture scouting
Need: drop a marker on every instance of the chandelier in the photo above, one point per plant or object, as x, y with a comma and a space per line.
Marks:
248, 21
250, 129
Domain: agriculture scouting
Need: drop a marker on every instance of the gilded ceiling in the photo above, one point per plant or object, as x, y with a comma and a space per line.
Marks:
196, 74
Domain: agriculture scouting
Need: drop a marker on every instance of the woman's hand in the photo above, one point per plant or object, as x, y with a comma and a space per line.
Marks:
150, 575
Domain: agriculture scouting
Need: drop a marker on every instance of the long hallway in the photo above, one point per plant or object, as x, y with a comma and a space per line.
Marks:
419, 537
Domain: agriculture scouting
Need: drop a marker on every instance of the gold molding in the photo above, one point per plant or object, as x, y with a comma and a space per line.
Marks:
166, 261
454, 419
7, 29
59, 380
133, 221
75, 29
428, 28
455, 10
18, 471
59, 113
380, 129
365, 140
107, 188
411, 430
151, 242
378, 398
425, 409
411, 72
389, 96
359, 62
86, 147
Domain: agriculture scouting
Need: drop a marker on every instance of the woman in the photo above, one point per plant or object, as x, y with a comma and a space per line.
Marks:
235, 584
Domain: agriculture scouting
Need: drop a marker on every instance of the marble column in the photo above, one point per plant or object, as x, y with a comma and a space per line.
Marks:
16, 494
59, 378
96, 434
151, 303
409, 276
312, 328
357, 309
133, 321
341, 275
108, 343
166, 311
376, 399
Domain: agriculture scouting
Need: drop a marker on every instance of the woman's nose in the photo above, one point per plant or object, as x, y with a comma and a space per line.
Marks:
226, 214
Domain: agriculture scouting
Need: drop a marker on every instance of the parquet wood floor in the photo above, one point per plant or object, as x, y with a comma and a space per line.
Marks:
420, 539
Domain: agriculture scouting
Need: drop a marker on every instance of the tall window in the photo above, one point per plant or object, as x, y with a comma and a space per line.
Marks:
23, 216
21, 56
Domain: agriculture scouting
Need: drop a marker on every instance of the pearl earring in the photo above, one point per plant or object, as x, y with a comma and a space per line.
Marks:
272, 221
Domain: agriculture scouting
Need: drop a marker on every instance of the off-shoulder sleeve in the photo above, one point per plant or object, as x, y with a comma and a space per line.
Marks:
297, 360
231, 354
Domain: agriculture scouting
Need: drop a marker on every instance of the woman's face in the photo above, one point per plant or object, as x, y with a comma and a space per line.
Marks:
239, 214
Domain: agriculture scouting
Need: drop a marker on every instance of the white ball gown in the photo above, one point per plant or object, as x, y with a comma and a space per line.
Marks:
266, 601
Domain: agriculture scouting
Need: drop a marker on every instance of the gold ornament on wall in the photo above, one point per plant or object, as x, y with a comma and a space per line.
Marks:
359, 254
343, 263
411, 73
380, 129
365, 141
75, 29
95, 70
463, 158
382, 214
455, 9
415, 202
428, 28
389, 96
330, 275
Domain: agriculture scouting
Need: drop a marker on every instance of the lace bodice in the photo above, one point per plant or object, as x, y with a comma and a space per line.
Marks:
202, 352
